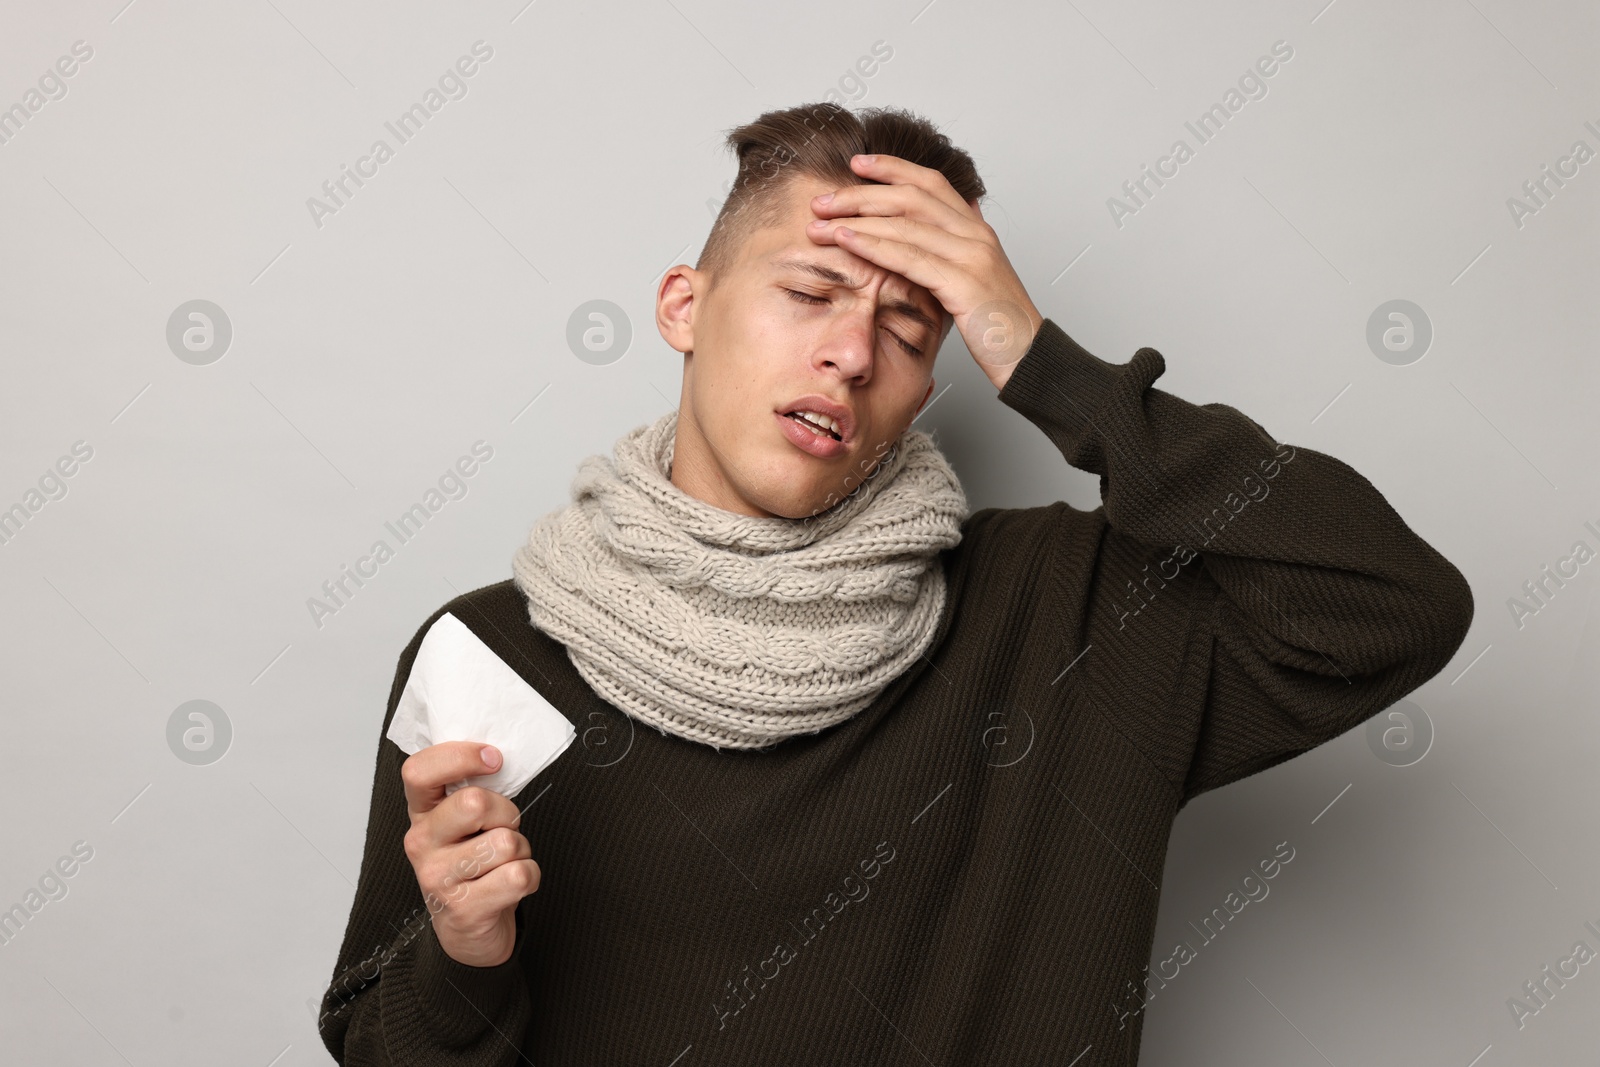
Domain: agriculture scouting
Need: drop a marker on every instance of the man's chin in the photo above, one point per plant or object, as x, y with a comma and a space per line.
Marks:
788, 506
804, 486
795, 494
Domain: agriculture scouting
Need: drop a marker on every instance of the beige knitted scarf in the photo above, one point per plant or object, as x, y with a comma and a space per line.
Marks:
733, 630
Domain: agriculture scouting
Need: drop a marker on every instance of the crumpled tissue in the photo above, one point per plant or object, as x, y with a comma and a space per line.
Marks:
459, 690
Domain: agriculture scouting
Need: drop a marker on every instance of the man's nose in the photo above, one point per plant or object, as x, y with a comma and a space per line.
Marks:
852, 345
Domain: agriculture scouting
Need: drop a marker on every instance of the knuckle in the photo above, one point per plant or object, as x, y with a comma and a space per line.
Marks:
413, 843
511, 843
527, 875
493, 847
474, 800
428, 877
498, 843
454, 887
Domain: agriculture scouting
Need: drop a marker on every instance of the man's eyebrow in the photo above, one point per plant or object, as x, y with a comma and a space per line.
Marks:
828, 274
837, 277
914, 313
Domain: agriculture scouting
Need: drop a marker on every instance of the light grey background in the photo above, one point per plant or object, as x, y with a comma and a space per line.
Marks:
432, 309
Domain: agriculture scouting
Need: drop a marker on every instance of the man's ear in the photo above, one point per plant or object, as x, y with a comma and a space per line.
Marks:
675, 303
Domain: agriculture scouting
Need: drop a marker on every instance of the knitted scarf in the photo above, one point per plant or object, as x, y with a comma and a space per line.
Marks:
740, 631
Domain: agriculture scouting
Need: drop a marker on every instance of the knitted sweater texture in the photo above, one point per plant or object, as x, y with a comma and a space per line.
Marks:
734, 630
967, 870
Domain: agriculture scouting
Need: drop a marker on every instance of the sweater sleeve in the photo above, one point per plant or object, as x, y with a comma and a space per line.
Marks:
396, 997
1249, 600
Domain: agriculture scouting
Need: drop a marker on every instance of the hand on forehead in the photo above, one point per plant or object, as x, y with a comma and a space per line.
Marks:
914, 224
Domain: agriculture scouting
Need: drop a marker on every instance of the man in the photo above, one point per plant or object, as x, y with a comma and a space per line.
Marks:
912, 771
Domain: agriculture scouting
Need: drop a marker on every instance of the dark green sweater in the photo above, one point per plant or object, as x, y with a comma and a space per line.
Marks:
967, 871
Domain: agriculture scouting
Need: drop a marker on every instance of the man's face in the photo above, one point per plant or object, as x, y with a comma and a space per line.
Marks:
793, 326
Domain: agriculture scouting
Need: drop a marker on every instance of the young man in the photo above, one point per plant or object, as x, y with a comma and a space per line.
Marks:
913, 770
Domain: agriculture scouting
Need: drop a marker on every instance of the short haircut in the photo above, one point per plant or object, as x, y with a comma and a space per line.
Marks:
817, 140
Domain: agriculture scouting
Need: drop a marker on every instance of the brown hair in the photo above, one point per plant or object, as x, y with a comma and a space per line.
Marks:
817, 140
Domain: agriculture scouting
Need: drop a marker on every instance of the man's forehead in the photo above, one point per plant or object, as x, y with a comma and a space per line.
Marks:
846, 268
813, 261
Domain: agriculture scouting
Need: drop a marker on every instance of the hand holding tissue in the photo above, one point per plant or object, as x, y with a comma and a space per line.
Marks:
459, 690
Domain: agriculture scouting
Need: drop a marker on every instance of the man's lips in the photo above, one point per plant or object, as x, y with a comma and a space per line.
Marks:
800, 433
844, 420
798, 417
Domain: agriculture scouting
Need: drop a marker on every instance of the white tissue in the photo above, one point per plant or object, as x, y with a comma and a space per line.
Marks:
459, 690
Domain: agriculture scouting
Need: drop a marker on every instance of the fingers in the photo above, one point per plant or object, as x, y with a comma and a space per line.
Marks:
452, 872
426, 773
930, 239
915, 225
910, 260
461, 815
488, 895
893, 170
907, 201
909, 220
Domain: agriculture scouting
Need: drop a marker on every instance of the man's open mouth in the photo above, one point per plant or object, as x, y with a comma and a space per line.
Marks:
817, 423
